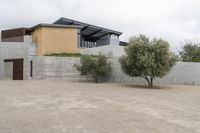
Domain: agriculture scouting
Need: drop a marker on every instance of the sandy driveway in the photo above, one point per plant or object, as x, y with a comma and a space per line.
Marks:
63, 107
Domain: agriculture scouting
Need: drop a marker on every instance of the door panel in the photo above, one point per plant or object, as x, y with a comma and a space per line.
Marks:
18, 69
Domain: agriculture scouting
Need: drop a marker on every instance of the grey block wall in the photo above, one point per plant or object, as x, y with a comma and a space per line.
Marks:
182, 73
108, 39
62, 68
14, 51
0, 36
28, 39
56, 68
8, 70
114, 39
111, 51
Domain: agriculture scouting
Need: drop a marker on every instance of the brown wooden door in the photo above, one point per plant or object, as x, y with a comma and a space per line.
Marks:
18, 69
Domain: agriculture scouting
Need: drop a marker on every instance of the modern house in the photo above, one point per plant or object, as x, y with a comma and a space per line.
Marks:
18, 47
63, 36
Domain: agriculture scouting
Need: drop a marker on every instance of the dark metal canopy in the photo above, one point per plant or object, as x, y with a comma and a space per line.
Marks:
123, 43
89, 31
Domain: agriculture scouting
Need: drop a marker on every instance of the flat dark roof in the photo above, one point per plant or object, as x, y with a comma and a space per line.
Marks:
88, 30
122, 43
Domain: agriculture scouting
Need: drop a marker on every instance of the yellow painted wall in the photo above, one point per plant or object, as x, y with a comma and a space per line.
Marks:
56, 40
37, 38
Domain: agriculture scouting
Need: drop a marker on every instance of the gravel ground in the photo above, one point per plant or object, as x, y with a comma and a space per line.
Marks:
66, 107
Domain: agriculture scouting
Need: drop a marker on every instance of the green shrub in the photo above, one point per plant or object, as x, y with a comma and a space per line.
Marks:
190, 52
94, 66
65, 54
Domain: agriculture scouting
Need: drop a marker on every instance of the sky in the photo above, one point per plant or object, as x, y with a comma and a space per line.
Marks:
171, 20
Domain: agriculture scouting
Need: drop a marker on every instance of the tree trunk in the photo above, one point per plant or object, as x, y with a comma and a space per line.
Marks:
149, 81
96, 79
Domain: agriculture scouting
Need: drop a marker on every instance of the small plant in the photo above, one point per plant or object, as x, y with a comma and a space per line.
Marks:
94, 66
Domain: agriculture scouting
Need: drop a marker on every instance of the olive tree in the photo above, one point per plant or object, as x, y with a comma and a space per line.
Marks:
190, 52
95, 66
147, 58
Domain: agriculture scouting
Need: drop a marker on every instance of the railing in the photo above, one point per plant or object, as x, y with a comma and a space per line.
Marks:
88, 44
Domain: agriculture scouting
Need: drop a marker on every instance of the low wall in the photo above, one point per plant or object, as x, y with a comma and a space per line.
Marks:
181, 73
62, 68
56, 68
111, 51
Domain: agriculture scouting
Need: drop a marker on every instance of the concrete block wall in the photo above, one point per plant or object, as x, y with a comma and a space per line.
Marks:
56, 68
181, 73
114, 39
14, 51
108, 39
8, 70
28, 39
111, 51
62, 68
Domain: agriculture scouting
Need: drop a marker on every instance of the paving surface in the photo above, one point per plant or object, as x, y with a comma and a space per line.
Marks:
64, 107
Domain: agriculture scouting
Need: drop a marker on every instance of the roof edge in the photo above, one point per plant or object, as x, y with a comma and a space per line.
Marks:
55, 25
86, 24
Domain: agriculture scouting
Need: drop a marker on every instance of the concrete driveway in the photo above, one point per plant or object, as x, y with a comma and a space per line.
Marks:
64, 107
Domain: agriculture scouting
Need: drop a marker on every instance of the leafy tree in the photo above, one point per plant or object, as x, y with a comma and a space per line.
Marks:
147, 58
95, 66
190, 52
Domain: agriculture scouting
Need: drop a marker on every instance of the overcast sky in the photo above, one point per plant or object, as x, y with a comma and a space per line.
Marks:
172, 20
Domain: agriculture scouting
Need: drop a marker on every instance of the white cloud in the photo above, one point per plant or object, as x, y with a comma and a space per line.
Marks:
173, 20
